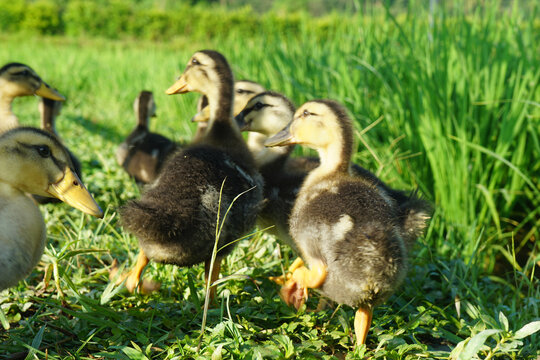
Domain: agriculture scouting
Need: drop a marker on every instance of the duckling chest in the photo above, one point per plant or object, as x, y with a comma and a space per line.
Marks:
22, 238
330, 212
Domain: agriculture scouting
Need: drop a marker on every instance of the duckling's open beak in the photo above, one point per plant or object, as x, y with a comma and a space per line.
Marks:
179, 87
282, 138
47, 92
71, 190
202, 116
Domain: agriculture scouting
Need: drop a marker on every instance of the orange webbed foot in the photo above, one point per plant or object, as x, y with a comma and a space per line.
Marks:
282, 279
294, 293
133, 279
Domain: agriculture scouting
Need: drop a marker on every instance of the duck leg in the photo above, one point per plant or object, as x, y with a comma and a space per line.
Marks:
280, 280
133, 277
211, 278
294, 292
362, 323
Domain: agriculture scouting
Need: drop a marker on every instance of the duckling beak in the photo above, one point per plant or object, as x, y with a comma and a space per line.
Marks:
202, 116
71, 190
179, 87
282, 138
47, 92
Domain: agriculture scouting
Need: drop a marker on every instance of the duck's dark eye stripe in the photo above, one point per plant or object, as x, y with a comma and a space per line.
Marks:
260, 105
242, 91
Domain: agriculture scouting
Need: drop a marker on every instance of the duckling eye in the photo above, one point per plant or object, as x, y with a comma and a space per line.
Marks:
24, 72
43, 150
306, 113
195, 62
240, 91
258, 106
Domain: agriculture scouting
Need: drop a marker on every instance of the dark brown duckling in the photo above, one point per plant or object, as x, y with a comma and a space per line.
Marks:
346, 228
175, 219
49, 110
17, 79
143, 153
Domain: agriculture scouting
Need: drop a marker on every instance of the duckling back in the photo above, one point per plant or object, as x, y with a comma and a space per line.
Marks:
176, 218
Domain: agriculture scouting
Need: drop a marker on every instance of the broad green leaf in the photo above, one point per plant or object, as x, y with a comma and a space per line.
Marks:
527, 330
475, 343
216, 355
503, 320
134, 354
4, 320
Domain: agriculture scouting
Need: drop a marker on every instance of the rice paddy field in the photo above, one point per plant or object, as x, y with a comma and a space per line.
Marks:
447, 102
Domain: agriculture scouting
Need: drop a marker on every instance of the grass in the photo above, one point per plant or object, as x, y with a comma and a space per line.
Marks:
458, 104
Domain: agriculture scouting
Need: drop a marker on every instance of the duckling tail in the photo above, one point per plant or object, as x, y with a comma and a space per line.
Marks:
414, 213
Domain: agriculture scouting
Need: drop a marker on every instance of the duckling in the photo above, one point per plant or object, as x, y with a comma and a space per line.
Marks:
32, 161
143, 153
49, 110
175, 219
266, 114
345, 227
17, 79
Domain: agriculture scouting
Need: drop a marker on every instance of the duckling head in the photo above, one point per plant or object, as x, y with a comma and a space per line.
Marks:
34, 161
243, 91
17, 79
322, 125
144, 107
317, 124
266, 113
204, 70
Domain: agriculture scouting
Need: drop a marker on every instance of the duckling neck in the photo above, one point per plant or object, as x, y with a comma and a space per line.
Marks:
8, 120
334, 158
8, 191
47, 120
142, 115
222, 130
221, 104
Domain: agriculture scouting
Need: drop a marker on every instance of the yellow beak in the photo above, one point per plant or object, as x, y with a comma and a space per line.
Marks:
47, 92
202, 116
71, 190
179, 87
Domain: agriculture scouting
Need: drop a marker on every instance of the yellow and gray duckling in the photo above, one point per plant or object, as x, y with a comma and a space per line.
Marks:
345, 227
32, 161
175, 219
143, 153
266, 114
17, 79
49, 110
